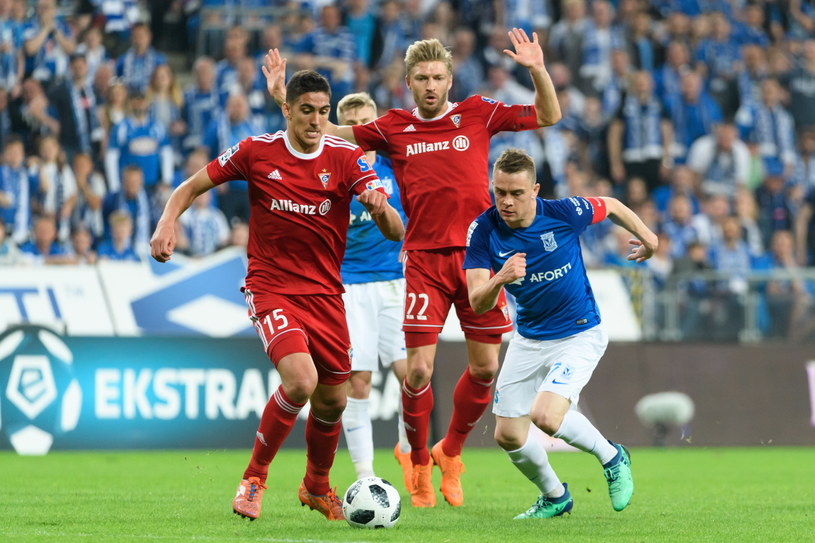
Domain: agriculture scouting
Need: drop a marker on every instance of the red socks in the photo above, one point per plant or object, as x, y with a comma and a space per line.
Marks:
416, 407
277, 421
322, 438
470, 400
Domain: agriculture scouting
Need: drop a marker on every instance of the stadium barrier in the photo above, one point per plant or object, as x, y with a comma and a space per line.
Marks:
69, 393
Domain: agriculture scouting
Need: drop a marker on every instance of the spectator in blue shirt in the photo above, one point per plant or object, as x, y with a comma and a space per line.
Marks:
235, 50
202, 100
769, 127
44, 247
48, 42
119, 246
15, 200
138, 63
755, 71
76, 104
751, 30
133, 200
718, 60
677, 62
331, 51
693, 114
640, 137
140, 140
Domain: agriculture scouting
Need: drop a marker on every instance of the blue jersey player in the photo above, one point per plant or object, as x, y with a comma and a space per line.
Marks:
374, 298
532, 246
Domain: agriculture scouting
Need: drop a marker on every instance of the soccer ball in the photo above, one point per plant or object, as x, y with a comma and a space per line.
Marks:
371, 502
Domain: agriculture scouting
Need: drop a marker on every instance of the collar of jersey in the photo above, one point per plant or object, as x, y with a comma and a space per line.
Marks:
297, 153
448, 110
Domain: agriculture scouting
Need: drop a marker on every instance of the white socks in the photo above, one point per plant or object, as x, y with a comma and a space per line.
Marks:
577, 431
404, 444
356, 424
531, 460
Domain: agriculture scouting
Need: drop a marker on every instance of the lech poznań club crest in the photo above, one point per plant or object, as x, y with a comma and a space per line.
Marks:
549, 243
324, 177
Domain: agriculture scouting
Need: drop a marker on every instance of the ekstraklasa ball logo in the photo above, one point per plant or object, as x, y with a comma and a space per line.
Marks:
39, 395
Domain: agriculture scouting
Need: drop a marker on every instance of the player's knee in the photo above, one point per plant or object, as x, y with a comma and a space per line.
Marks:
300, 388
547, 421
484, 372
508, 440
329, 408
419, 375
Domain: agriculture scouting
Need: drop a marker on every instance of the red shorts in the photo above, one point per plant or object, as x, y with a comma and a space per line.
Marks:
434, 280
312, 324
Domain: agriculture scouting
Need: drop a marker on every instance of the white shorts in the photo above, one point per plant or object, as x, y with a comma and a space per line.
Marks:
374, 314
563, 366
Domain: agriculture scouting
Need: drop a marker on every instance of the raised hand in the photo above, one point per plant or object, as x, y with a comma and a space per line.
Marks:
527, 53
274, 69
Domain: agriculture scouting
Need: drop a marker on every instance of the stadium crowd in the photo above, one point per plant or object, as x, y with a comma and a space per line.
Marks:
698, 114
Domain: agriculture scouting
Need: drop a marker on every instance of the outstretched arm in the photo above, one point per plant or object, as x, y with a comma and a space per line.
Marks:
530, 55
274, 69
484, 290
645, 245
163, 242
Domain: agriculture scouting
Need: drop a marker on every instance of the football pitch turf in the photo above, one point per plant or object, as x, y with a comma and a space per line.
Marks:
762, 494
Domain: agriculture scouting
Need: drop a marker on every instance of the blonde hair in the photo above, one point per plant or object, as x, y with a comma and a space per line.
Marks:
428, 51
355, 101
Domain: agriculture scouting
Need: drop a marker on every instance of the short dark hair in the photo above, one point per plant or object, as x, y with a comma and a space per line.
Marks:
306, 81
514, 161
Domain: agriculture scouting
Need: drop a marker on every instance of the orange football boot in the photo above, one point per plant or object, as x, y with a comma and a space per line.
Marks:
248, 500
422, 494
451, 470
327, 504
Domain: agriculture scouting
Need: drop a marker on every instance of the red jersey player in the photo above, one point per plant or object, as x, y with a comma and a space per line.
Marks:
301, 183
439, 152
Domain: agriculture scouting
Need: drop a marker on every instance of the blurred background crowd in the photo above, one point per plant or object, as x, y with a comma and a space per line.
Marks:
698, 114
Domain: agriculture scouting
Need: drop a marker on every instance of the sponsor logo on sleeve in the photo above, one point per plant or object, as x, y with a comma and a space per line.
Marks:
226, 155
470, 230
374, 184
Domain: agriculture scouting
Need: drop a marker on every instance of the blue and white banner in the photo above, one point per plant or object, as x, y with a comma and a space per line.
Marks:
143, 393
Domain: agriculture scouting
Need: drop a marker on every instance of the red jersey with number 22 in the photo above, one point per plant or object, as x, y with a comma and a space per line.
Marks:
299, 209
441, 164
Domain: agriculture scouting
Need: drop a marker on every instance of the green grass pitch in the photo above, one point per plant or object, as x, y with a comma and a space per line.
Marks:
690, 494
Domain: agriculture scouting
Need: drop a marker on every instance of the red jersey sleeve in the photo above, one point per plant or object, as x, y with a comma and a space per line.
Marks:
362, 176
501, 117
373, 135
232, 164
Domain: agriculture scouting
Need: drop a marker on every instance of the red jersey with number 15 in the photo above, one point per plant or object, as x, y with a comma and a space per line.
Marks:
299, 209
441, 164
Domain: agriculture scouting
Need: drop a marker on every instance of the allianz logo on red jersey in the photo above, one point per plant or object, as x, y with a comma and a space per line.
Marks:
459, 143
304, 209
